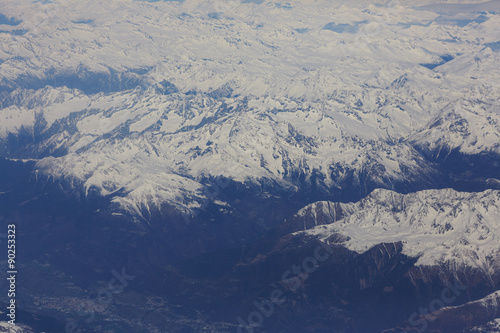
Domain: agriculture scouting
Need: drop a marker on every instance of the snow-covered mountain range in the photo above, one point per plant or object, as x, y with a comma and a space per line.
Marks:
157, 96
380, 118
436, 226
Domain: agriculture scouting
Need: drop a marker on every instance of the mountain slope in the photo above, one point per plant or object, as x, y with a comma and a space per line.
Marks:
178, 140
439, 227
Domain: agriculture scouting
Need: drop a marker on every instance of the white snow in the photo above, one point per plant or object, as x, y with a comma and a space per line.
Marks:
437, 226
297, 100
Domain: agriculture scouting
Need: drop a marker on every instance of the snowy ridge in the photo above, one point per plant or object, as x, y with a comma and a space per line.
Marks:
492, 326
254, 51
148, 99
471, 126
481, 315
130, 141
17, 328
438, 226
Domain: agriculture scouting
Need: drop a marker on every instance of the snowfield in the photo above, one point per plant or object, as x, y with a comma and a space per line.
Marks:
149, 98
437, 226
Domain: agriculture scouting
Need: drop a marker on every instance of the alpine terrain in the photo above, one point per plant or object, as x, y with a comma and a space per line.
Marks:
251, 165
